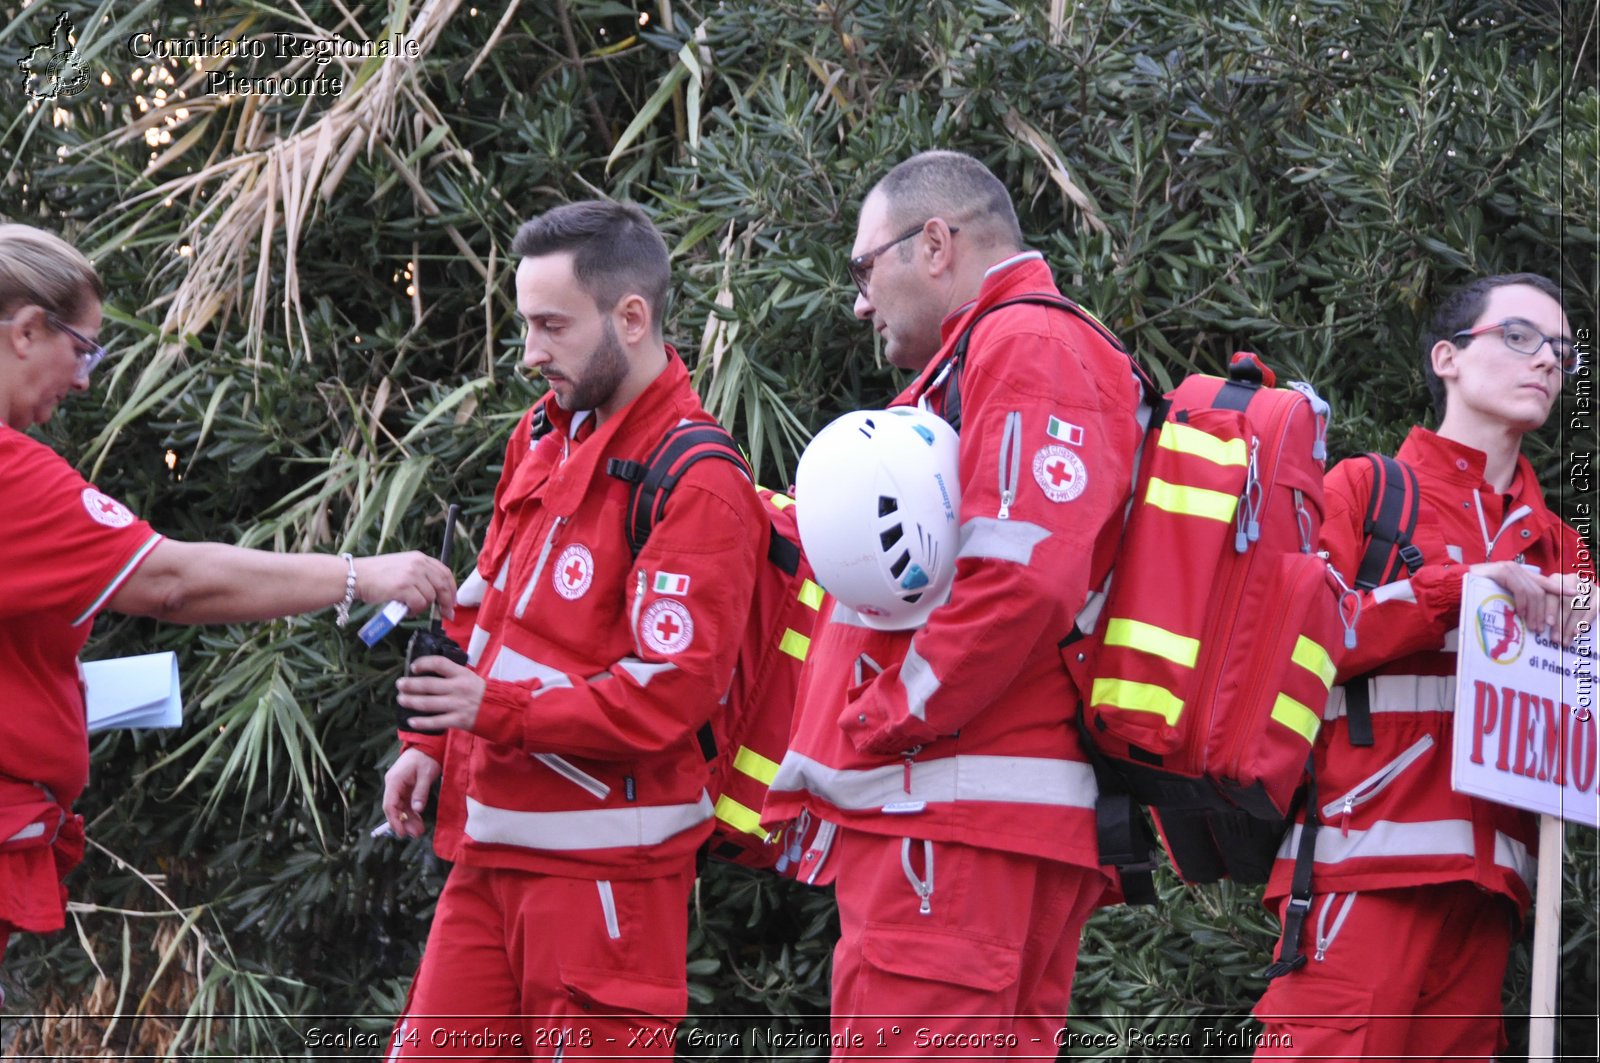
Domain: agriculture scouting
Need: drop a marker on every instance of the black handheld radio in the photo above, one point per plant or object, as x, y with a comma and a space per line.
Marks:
432, 641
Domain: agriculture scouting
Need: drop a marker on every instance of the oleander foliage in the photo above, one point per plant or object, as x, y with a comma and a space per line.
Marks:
317, 349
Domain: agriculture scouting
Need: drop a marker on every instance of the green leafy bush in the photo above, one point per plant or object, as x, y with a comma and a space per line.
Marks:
317, 348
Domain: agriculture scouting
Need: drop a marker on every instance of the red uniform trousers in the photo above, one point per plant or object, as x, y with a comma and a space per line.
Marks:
532, 966
982, 968
1412, 973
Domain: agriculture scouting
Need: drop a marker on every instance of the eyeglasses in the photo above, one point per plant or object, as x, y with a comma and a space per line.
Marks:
1521, 336
91, 353
861, 266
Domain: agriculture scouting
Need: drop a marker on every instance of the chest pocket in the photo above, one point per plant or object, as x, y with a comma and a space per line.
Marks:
570, 579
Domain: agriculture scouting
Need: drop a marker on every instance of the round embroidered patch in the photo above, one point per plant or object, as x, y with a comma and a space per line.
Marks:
105, 509
574, 572
666, 626
1059, 473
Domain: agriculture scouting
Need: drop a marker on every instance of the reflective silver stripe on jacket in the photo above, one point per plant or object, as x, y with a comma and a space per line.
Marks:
1513, 855
1015, 780
32, 830
475, 645
1001, 540
1440, 837
597, 828
641, 672
513, 667
916, 674
1400, 693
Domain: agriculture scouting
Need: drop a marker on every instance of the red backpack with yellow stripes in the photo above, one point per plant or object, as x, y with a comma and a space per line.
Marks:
1207, 666
1206, 659
745, 741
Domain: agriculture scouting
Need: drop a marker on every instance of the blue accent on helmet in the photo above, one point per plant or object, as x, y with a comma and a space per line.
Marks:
927, 436
914, 578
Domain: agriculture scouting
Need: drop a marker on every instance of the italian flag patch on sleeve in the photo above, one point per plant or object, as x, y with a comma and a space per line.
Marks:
1068, 433
672, 583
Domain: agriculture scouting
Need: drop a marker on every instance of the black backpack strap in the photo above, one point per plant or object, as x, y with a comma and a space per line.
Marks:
1391, 520
952, 391
1121, 831
1290, 957
653, 480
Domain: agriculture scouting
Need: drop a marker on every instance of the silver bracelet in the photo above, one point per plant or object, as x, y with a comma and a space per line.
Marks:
342, 610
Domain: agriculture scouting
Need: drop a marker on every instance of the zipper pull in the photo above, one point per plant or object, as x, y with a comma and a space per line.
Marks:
1006, 498
1302, 520
1322, 949
1253, 488
1344, 814
909, 754
1349, 604
638, 607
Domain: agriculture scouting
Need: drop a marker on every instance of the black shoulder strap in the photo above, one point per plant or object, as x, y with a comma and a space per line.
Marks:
1290, 956
653, 481
539, 425
952, 391
1391, 521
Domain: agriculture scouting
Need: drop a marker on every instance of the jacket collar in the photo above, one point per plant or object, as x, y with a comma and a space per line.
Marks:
632, 432
1022, 274
1462, 466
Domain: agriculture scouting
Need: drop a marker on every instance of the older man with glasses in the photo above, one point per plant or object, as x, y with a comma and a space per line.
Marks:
69, 551
967, 860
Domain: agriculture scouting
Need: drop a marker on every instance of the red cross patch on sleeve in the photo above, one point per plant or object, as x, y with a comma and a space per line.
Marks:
666, 626
105, 509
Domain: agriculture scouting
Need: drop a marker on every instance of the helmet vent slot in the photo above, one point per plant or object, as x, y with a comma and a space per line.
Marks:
890, 537
900, 563
887, 505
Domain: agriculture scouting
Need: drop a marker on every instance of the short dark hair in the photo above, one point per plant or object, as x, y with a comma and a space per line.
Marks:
954, 186
1459, 311
615, 251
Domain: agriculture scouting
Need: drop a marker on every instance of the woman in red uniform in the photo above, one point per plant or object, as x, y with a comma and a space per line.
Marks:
69, 551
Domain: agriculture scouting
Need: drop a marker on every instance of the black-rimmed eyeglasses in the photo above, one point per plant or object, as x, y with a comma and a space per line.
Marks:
1521, 336
861, 265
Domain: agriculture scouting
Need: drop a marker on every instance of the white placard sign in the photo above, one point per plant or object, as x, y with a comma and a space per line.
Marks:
1525, 729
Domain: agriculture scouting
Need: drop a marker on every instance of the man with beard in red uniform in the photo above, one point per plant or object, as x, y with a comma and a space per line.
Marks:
966, 858
1417, 889
574, 788
69, 552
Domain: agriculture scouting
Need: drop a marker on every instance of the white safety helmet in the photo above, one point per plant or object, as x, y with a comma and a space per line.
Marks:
878, 501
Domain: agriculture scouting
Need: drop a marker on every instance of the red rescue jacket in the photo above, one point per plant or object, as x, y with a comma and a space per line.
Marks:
600, 667
968, 733
1389, 817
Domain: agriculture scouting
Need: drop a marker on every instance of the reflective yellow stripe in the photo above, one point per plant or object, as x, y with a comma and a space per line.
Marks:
1190, 501
794, 644
810, 594
1137, 697
739, 817
780, 500
1184, 439
755, 765
1147, 638
1314, 659
1296, 717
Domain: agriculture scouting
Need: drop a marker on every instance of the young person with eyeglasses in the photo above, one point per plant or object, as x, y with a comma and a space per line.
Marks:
69, 552
1418, 890
966, 859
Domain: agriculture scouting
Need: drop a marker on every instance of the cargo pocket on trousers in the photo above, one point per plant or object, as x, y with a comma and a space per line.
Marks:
949, 966
607, 992
1302, 999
